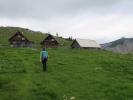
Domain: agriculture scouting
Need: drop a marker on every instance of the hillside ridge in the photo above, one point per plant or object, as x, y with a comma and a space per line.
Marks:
35, 36
122, 45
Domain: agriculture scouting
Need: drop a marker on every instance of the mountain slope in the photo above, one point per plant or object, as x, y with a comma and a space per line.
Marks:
37, 37
123, 45
79, 74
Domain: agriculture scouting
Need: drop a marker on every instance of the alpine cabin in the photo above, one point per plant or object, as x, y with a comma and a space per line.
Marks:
50, 42
85, 43
19, 40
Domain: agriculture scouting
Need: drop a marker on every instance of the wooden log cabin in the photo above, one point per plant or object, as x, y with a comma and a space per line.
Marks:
19, 40
49, 42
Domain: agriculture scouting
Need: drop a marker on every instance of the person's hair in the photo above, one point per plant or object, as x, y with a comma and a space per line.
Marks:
43, 49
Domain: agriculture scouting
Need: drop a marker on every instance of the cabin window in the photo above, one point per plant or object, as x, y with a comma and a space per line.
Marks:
19, 36
23, 38
14, 42
52, 39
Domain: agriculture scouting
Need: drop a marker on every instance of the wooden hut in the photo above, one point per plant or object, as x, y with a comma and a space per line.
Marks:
85, 43
50, 42
19, 40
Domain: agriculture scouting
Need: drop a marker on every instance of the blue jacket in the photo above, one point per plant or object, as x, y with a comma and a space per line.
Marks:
44, 54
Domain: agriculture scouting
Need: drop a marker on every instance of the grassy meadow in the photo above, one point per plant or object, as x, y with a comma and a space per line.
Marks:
72, 75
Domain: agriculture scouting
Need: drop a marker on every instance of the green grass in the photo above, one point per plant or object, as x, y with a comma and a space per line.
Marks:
83, 74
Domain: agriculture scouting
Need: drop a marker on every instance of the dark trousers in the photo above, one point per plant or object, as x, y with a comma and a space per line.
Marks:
44, 62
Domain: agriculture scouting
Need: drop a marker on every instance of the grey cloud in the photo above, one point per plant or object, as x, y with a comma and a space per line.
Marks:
49, 8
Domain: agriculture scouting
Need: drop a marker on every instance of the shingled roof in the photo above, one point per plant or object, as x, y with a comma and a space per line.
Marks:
17, 33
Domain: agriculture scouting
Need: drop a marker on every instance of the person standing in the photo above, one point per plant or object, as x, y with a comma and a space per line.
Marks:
44, 58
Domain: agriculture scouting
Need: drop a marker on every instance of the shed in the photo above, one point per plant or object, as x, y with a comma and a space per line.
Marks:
85, 43
19, 40
50, 42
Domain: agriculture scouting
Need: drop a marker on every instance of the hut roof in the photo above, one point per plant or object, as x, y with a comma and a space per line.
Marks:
18, 33
49, 35
88, 43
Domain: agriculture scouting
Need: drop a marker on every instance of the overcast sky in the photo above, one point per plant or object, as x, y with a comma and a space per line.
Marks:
101, 20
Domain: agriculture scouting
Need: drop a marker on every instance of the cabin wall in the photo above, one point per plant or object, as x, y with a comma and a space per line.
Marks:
75, 45
17, 44
50, 44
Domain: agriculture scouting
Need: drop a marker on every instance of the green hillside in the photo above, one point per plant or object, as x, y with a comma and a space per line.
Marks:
72, 75
36, 37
